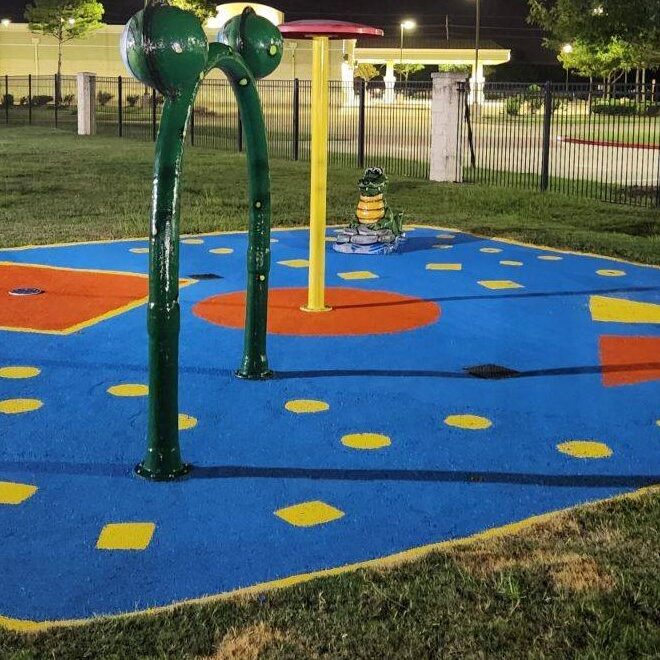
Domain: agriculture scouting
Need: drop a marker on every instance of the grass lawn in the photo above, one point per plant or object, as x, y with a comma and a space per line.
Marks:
584, 583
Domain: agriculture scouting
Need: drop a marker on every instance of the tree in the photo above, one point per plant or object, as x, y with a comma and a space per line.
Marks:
607, 61
65, 20
203, 9
404, 70
366, 71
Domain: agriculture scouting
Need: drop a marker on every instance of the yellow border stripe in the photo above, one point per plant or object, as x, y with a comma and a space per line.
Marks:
25, 625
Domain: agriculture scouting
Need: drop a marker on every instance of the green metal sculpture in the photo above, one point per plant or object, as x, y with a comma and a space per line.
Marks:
166, 48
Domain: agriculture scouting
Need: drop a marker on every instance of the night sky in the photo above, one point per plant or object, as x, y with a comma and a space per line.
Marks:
502, 21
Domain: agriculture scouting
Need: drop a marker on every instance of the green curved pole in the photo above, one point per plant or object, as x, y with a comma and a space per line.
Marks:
163, 458
254, 364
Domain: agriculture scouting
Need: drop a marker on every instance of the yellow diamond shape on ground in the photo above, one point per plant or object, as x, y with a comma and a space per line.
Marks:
192, 241
585, 449
550, 257
619, 310
440, 246
186, 422
222, 250
469, 422
358, 275
18, 406
19, 372
13, 493
610, 272
126, 536
294, 263
447, 237
309, 514
444, 266
506, 262
365, 441
500, 284
489, 250
301, 406
139, 250
129, 389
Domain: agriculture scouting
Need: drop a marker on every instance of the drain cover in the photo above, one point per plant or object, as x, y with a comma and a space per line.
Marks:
491, 371
26, 291
205, 276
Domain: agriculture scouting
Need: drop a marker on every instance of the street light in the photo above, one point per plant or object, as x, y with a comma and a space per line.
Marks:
5, 22
408, 24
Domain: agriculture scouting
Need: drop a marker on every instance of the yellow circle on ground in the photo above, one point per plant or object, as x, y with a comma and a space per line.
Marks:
19, 372
186, 422
585, 449
550, 257
446, 236
511, 263
470, 422
139, 250
365, 441
129, 389
490, 250
17, 406
657, 422
610, 272
221, 250
193, 241
306, 406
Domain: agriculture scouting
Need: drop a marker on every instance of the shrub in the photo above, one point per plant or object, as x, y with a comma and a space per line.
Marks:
132, 100
41, 100
621, 109
512, 106
103, 98
7, 100
534, 98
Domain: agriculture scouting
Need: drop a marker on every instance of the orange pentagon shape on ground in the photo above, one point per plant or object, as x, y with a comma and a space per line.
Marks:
354, 312
72, 298
628, 360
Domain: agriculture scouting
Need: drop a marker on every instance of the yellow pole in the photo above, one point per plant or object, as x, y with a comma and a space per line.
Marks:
319, 175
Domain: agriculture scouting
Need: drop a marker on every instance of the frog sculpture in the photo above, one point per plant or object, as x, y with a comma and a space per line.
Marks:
376, 228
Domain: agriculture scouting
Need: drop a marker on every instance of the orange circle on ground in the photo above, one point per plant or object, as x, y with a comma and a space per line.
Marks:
354, 312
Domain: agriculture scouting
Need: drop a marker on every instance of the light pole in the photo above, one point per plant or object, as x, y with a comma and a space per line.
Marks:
566, 49
408, 24
477, 29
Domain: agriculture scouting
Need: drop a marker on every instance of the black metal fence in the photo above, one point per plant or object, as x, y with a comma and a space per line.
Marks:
30, 100
588, 140
369, 124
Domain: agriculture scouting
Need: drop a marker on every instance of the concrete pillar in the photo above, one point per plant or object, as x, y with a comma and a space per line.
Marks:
477, 81
390, 80
86, 103
445, 114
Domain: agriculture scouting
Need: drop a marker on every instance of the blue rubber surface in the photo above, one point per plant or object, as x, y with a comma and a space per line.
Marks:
217, 531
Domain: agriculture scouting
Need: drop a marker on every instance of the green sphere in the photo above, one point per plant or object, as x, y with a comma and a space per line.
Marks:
256, 39
165, 48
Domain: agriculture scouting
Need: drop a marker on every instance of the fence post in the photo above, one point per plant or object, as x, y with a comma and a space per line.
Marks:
58, 95
120, 106
153, 114
445, 111
295, 144
6, 104
547, 119
86, 103
30, 99
362, 123
192, 126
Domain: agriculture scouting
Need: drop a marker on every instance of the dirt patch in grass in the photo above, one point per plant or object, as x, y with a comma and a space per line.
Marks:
247, 643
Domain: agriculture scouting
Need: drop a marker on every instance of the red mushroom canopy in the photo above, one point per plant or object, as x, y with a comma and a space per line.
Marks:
327, 28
